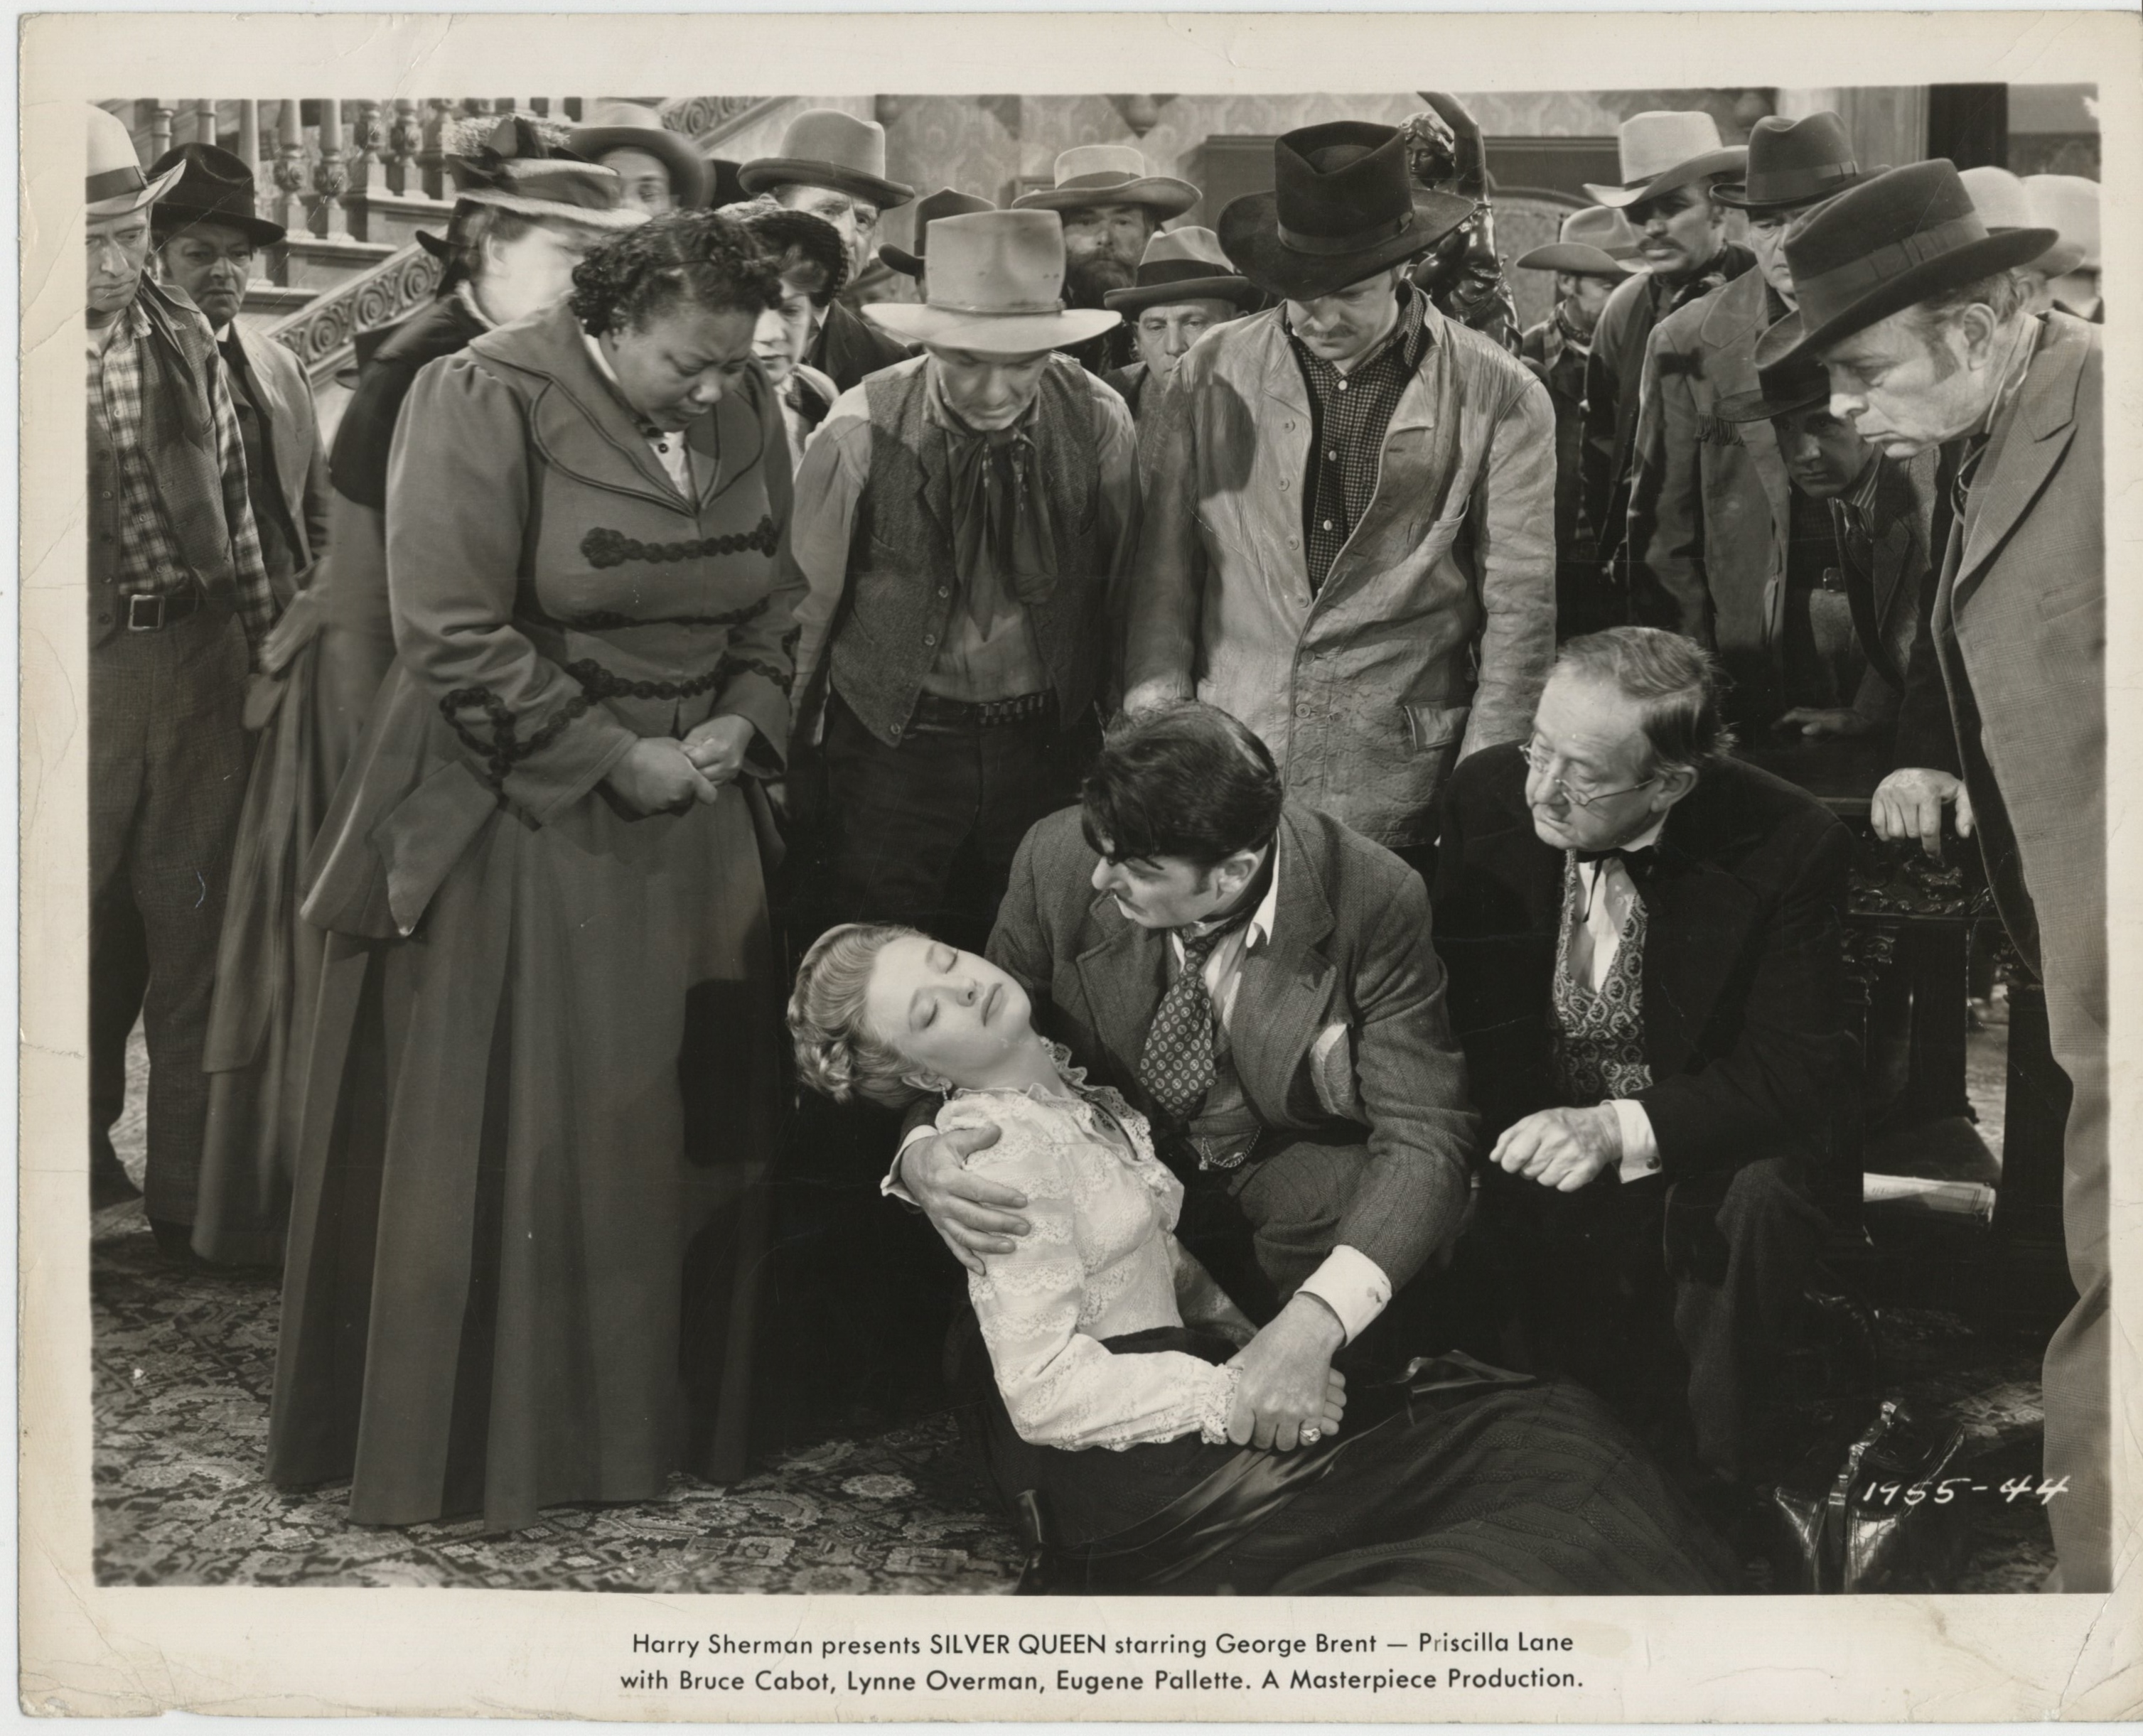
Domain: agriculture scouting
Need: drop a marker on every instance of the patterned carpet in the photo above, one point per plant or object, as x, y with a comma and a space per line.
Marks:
184, 1362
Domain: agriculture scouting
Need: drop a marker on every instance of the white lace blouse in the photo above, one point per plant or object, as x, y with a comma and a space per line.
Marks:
1099, 1260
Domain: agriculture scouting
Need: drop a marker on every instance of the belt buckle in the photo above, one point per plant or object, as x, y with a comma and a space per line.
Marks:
135, 623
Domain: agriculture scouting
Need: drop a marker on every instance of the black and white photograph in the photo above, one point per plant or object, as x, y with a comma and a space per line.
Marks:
1289, 844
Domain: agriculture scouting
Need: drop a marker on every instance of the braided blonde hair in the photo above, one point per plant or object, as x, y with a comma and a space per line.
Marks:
836, 1054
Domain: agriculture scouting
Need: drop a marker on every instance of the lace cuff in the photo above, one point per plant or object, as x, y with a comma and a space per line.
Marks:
1219, 1405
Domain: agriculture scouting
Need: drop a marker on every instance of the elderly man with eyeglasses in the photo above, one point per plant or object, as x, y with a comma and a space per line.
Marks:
1643, 937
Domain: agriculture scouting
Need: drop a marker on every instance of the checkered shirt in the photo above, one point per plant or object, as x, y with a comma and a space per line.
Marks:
151, 563
1349, 412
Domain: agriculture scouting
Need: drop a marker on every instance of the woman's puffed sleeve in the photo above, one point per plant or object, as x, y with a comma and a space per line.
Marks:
459, 496
1060, 1387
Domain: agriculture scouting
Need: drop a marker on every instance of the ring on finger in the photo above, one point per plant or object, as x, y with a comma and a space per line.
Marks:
1311, 1436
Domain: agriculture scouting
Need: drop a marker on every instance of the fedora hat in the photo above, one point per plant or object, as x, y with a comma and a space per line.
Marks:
1342, 207
1663, 149
997, 287
1184, 265
1594, 242
1794, 163
513, 169
631, 126
1801, 382
824, 147
116, 184
213, 186
1878, 248
2068, 203
942, 203
2006, 203
1108, 175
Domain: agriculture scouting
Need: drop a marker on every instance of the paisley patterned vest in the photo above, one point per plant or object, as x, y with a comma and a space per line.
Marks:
1599, 1034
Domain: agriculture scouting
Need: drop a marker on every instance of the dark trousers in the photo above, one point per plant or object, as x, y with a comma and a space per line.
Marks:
1673, 1302
167, 768
924, 833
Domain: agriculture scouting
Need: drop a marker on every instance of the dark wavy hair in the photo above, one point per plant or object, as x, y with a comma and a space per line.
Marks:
707, 258
795, 238
1188, 782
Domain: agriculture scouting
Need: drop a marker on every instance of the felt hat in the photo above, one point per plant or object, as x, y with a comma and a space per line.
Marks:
2067, 203
1594, 242
515, 170
997, 287
1108, 175
1801, 382
1794, 163
942, 203
1878, 248
727, 176
824, 147
633, 127
213, 186
1663, 149
116, 184
1342, 207
2006, 203
1184, 265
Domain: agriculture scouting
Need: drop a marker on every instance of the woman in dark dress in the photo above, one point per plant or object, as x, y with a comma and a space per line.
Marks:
529, 1210
1108, 1424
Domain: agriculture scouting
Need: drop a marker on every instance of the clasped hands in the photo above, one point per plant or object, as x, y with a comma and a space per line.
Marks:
1288, 1383
659, 773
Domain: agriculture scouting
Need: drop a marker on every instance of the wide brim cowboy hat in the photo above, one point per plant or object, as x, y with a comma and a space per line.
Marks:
945, 202
1184, 265
629, 126
2005, 202
826, 147
213, 186
1878, 249
1343, 208
1109, 175
1730, 160
1663, 149
1577, 258
115, 186
1799, 383
996, 287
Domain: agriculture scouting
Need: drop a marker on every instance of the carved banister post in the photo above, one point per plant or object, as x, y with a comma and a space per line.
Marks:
405, 138
331, 174
435, 142
249, 141
160, 126
289, 208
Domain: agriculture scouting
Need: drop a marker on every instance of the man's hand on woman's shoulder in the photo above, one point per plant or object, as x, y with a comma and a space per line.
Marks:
975, 1215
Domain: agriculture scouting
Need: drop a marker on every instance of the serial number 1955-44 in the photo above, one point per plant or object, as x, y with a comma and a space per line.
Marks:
1910, 1494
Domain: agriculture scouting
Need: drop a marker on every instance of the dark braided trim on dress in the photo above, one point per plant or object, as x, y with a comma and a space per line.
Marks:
754, 666
504, 749
602, 683
613, 548
604, 621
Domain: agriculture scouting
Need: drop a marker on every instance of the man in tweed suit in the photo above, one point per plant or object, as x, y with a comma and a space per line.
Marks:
181, 608
1301, 1078
1910, 302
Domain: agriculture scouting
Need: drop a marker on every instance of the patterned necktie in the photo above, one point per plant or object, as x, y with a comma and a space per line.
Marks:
1177, 1066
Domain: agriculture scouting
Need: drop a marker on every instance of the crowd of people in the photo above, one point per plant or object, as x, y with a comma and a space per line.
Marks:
1231, 751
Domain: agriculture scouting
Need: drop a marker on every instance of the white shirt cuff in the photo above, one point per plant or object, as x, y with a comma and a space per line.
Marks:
1640, 1151
1353, 1286
891, 1185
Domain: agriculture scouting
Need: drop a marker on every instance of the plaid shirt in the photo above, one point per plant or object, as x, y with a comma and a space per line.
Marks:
1349, 412
151, 563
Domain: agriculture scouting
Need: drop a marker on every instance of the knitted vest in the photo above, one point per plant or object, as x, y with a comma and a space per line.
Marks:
901, 586
1599, 1034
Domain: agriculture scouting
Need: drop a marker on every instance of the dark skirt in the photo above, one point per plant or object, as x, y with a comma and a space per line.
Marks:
1492, 1484
529, 1215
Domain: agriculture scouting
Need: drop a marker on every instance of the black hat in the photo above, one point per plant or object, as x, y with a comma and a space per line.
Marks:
213, 186
1799, 382
1794, 163
1878, 248
1342, 207
942, 203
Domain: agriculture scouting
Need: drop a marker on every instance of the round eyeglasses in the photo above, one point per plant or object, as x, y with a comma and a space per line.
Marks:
1540, 759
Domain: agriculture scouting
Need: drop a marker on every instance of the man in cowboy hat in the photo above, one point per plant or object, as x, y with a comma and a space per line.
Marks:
1671, 159
963, 520
1723, 545
181, 611
1350, 512
1913, 307
658, 168
832, 166
1878, 513
2068, 203
1111, 207
945, 202
2005, 202
1463, 273
1588, 257
1185, 287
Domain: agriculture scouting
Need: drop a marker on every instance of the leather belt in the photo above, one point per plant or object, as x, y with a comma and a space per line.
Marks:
146, 614
934, 712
